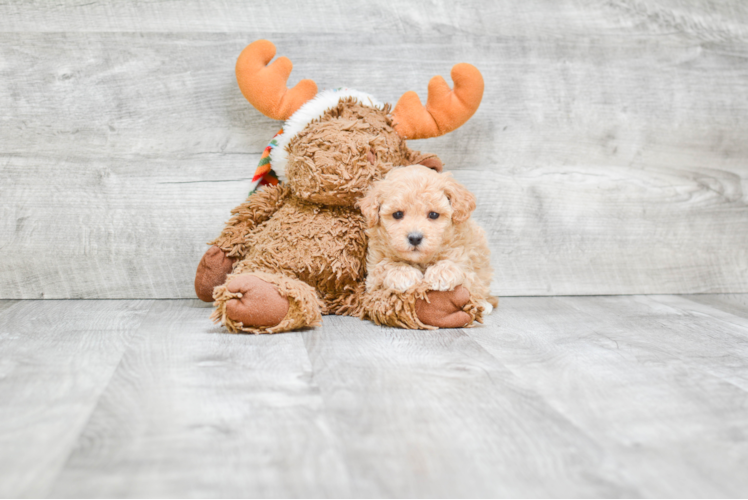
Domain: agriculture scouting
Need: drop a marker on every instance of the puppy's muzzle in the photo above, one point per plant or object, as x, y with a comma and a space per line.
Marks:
415, 238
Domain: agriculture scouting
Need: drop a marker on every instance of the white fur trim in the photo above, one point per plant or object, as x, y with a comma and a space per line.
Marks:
487, 308
311, 110
254, 185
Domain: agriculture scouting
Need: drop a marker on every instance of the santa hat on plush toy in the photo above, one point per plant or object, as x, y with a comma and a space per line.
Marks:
264, 86
274, 158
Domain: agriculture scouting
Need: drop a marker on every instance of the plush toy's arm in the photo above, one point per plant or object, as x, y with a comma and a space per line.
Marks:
420, 308
258, 208
230, 246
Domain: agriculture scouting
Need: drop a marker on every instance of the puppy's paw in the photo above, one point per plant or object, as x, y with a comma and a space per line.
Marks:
444, 275
401, 278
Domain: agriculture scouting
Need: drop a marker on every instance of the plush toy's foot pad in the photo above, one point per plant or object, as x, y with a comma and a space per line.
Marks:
444, 309
259, 305
212, 272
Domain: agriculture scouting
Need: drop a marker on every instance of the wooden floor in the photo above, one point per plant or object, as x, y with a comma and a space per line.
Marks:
555, 396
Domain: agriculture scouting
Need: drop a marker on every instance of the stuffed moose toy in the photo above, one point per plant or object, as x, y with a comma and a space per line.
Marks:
296, 250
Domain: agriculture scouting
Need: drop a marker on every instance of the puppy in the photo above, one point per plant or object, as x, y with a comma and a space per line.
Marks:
420, 229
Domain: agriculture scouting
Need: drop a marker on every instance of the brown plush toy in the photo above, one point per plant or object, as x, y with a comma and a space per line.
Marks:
297, 250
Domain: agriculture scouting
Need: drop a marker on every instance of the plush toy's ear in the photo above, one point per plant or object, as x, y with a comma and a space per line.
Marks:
429, 160
462, 200
369, 206
432, 162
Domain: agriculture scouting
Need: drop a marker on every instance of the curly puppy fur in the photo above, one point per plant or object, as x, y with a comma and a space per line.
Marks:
421, 235
306, 237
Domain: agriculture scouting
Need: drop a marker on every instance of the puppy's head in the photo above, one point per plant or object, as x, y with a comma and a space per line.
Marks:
413, 211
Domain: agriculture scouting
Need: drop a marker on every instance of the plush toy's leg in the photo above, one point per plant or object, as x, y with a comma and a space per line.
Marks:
347, 303
212, 272
421, 308
258, 302
447, 309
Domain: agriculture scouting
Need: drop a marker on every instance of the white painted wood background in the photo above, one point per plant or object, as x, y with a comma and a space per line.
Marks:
610, 154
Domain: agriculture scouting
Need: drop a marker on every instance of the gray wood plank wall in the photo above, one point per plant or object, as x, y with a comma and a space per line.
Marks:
609, 155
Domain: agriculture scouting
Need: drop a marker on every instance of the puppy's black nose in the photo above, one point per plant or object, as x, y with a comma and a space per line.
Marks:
415, 239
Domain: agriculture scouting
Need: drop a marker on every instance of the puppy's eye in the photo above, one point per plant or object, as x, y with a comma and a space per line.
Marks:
398, 215
433, 215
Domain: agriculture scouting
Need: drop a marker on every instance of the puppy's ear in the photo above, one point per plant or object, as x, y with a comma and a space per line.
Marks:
369, 206
462, 200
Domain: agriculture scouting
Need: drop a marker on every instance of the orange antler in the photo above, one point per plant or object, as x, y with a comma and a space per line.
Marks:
445, 110
265, 86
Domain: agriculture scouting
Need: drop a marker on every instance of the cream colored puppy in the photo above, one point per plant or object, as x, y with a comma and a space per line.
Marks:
420, 229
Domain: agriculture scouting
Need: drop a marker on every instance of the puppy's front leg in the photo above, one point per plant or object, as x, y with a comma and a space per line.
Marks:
444, 275
393, 275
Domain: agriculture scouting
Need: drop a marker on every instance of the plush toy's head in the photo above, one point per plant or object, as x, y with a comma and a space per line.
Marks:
335, 144
334, 160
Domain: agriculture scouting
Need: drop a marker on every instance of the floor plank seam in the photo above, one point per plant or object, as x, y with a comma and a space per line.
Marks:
94, 407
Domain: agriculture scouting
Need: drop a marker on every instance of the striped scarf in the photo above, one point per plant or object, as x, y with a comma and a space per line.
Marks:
264, 174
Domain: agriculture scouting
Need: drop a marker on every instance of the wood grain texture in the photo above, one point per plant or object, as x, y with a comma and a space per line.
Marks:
192, 411
657, 377
608, 154
733, 303
719, 20
102, 240
56, 358
638, 396
432, 414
